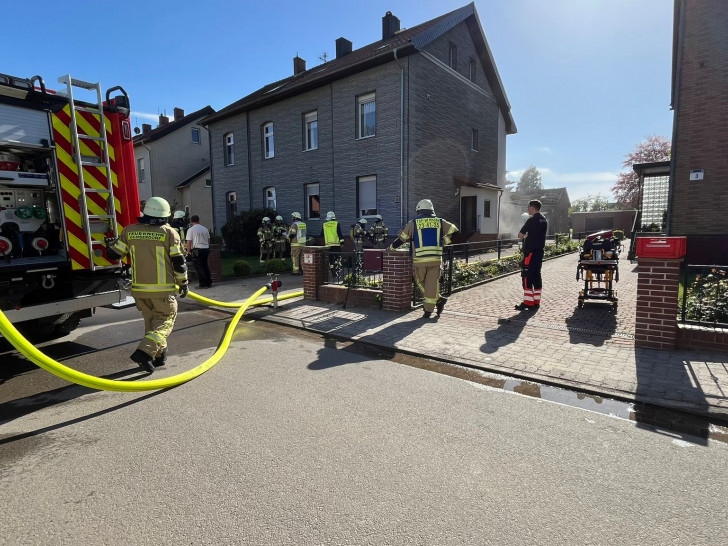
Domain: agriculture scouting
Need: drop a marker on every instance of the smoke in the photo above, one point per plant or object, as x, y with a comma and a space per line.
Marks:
511, 218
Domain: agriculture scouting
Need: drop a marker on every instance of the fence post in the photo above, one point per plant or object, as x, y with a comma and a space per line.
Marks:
499, 245
315, 269
397, 281
658, 283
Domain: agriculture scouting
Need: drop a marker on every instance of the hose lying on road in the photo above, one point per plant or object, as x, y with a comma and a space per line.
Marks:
69, 374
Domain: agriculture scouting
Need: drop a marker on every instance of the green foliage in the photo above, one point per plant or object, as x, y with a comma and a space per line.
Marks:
216, 239
592, 203
241, 268
276, 265
530, 181
241, 232
618, 234
707, 297
360, 281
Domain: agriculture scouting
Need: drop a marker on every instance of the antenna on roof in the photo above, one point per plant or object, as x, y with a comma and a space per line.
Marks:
324, 56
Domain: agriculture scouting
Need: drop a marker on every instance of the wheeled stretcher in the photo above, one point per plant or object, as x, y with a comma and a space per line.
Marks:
599, 268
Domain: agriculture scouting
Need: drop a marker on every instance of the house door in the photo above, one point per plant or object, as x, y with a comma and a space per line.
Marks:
468, 214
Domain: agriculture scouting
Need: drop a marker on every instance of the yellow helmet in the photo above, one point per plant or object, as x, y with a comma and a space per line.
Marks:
425, 204
157, 207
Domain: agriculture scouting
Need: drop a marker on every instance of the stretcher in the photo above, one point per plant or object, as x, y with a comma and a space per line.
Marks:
599, 268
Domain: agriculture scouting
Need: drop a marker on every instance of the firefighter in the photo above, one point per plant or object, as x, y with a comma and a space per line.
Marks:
427, 234
379, 232
179, 222
358, 234
158, 270
297, 236
533, 234
265, 237
331, 234
279, 237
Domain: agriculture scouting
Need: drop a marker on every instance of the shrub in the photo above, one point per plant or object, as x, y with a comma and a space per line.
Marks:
241, 232
275, 265
707, 297
241, 268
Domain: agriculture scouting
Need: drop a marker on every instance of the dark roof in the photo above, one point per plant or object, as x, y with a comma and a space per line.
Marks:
460, 181
403, 43
548, 197
187, 181
164, 130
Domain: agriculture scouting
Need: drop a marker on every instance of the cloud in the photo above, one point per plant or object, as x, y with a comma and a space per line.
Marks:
545, 149
152, 117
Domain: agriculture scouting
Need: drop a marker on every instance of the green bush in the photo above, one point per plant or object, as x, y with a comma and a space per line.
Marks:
275, 265
241, 268
241, 232
707, 297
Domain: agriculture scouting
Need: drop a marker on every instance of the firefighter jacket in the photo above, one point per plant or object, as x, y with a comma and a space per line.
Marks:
379, 232
297, 233
331, 232
427, 236
279, 232
181, 226
157, 260
358, 233
265, 236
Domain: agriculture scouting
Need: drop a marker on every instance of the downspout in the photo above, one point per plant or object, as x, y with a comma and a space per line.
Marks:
250, 169
401, 138
333, 158
151, 193
212, 179
675, 107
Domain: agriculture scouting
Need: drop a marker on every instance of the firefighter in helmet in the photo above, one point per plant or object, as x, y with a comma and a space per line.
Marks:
179, 222
279, 237
265, 237
427, 234
331, 234
158, 270
358, 234
378, 232
297, 236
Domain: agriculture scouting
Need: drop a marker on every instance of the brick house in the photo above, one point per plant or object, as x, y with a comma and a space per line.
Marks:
169, 155
698, 206
555, 204
421, 113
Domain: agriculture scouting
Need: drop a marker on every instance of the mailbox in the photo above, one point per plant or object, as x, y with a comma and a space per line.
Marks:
661, 247
373, 259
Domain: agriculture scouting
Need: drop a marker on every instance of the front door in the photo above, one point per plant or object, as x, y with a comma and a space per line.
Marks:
468, 214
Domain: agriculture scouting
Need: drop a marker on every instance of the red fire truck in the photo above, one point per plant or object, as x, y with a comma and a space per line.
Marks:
67, 181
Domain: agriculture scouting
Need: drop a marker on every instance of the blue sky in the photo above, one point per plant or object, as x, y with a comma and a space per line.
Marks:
586, 79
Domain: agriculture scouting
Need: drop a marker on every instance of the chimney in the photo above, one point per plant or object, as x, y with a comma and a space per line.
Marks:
390, 25
343, 47
146, 127
299, 65
163, 120
178, 113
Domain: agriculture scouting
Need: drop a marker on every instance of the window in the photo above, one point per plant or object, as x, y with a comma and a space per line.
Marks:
310, 130
141, 172
366, 118
229, 151
453, 58
313, 201
474, 140
231, 204
486, 208
472, 71
367, 195
195, 135
268, 144
208, 183
270, 198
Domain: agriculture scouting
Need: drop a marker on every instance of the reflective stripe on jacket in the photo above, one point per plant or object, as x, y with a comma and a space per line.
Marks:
298, 230
428, 235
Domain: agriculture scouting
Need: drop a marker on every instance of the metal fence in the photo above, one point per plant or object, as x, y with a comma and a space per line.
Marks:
704, 298
349, 269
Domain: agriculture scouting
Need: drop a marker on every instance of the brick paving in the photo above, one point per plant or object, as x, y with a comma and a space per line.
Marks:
589, 349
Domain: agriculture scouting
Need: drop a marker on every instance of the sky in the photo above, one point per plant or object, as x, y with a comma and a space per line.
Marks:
587, 79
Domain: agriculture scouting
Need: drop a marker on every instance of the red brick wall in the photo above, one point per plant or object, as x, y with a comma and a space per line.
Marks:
700, 207
356, 297
397, 285
695, 337
214, 260
657, 302
314, 273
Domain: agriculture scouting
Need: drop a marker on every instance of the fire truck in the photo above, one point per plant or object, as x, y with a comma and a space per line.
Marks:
67, 182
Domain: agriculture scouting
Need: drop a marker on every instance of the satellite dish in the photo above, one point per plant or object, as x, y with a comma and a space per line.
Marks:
137, 130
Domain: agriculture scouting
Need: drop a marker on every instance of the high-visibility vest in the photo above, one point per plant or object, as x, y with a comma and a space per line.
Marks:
299, 228
331, 233
429, 239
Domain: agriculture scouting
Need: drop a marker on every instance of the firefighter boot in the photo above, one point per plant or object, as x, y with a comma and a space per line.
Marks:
440, 305
160, 360
144, 360
427, 314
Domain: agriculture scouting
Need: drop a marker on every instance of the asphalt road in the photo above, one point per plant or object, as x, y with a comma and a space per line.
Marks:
292, 439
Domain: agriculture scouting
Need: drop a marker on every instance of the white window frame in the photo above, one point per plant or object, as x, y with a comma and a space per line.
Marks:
229, 150
269, 151
310, 130
361, 102
474, 143
473, 69
452, 60
366, 196
196, 131
269, 198
311, 190
141, 171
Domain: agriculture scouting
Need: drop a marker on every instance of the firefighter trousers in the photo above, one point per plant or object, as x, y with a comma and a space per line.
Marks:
427, 277
296, 252
159, 315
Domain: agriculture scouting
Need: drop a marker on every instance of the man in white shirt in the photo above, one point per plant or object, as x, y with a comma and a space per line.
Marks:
198, 244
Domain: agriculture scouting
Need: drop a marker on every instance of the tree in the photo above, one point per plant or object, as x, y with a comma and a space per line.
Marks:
627, 188
592, 203
530, 181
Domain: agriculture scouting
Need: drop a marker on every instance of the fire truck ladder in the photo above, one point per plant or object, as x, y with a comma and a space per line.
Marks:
93, 223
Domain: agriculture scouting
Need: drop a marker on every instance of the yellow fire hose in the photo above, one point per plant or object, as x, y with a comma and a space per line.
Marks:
69, 374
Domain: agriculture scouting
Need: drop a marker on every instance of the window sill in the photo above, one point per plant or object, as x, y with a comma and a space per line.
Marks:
310, 150
365, 137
